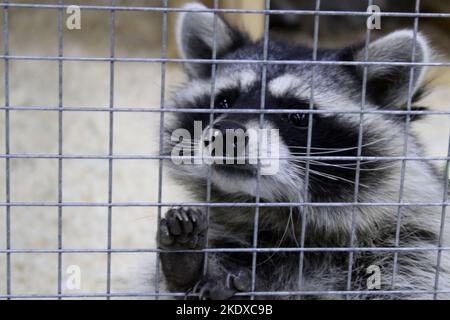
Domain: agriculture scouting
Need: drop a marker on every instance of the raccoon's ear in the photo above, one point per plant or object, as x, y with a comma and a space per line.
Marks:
195, 38
388, 85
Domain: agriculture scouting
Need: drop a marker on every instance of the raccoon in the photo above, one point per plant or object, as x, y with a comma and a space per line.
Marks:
326, 266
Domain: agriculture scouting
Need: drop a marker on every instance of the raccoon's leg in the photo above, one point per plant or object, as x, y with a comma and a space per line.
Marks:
185, 229
182, 229
223, 285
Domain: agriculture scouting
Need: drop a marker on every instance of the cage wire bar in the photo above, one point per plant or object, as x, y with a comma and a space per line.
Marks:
304, 212
7, 4
60, 143
405, 143
211, 120
163, 60
164, 38
359, 153
7, 150
112, 43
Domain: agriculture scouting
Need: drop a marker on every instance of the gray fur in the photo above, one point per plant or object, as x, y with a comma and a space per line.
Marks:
335, 88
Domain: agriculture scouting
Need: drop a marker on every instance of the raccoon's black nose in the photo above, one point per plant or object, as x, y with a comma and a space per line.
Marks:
225, 125
234, 138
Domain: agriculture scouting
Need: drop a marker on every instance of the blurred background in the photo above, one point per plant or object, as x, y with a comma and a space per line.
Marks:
86, 84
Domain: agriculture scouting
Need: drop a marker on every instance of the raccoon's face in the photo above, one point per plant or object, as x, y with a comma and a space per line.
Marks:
311, 111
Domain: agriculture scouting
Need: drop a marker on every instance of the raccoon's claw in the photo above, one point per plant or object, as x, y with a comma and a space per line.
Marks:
183, 228
222, 290
215, 291
242, 281
210, 290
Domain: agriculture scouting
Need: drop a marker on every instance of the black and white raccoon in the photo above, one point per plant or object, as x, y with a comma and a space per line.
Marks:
336, 88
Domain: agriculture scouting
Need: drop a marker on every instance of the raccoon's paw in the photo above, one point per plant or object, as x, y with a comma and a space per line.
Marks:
222, 289
183, 228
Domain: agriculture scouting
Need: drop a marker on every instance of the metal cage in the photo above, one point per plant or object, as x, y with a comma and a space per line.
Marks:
260, 24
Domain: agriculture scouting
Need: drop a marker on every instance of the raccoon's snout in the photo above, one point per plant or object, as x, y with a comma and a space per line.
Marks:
231, 136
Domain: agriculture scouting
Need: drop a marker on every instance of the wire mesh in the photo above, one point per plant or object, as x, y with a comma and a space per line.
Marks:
163, 109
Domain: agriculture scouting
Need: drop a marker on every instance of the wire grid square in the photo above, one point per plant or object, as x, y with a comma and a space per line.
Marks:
94, 274
141, 100
46, 77
83, 238
25, 239
38, 137
138, 173
93, 184
145, 33
98, 46
41, 43
33, 279
132, 127
93, 125
78, 94
110, 110
30, 171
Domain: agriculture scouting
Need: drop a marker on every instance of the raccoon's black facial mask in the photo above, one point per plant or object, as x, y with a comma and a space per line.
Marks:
388, 85
335, 136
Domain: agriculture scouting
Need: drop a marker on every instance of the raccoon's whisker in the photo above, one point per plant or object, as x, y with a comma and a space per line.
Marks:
349, 166
184, 143
187, 146
330, 176
333, 150
291, 217
290, 223
319, 163
318, 173
302, 173
343, 165
321, 152
317, 148
361, 169
381, 168
294, 235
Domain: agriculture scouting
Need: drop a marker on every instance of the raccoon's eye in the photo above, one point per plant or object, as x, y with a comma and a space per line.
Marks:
226, 99
223, 104
300, 120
